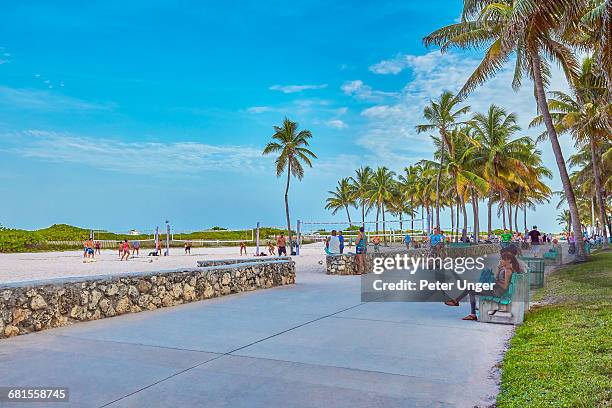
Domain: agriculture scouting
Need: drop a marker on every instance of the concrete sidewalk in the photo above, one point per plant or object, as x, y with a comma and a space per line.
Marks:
313, 344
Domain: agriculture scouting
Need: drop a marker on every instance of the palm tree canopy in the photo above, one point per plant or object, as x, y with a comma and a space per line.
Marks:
293, 147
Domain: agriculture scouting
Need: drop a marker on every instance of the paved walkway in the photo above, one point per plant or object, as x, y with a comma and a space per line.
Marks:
313, 344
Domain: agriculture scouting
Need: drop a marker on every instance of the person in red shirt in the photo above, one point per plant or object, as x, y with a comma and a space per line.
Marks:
126, 250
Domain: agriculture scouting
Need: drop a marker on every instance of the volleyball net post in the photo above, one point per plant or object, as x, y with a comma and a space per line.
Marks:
257, 240
298, 238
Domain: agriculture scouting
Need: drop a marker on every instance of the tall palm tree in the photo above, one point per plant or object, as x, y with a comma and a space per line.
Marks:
341, 198
360, 188
530, 29
408, 188
443, 115
291, 145
382, 189
586, 115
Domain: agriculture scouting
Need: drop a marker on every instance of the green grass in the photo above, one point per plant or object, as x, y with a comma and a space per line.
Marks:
16, 240
562, 355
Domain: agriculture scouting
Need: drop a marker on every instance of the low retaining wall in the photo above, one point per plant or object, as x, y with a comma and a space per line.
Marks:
345, 264
32, 306
218, 262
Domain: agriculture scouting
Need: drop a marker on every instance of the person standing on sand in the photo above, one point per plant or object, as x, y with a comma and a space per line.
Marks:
341, 239
85, 249
136, 246
361, 247
126, 250
98, 247
187, 247
120, 250
281, 244
90, 248
243, 248
271, 248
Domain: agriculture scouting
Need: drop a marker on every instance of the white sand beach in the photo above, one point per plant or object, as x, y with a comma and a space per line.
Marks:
47, 265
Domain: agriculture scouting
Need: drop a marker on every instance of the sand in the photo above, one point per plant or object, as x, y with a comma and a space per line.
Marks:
47, 265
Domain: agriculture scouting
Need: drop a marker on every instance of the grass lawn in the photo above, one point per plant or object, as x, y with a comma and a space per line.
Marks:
562, 355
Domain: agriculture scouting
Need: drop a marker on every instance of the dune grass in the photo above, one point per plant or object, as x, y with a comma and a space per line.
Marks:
562, 355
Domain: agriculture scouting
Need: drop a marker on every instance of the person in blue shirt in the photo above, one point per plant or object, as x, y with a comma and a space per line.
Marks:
407, 240
341, 238
436, 241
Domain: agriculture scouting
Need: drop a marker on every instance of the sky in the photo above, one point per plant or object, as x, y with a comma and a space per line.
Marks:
120, 115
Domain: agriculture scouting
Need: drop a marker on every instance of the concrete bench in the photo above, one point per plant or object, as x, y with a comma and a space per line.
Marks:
511, 306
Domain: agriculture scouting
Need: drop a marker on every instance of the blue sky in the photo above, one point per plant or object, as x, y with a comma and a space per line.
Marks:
119, 115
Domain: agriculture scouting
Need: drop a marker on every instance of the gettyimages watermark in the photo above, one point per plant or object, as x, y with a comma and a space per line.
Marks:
404, 278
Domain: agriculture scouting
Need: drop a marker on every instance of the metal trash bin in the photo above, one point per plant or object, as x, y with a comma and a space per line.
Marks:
535, 268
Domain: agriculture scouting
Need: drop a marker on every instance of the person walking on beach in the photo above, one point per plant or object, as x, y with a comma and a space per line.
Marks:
120, 250
376, 241
271, 248
332, 244
187, 247
281, 244
126, 250
243, 248
361, 247
136, 246
407, 240
506, 238
341, 239
98, 247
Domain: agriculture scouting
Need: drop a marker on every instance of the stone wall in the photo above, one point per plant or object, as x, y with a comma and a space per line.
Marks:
218, 262
32, 306
345, 264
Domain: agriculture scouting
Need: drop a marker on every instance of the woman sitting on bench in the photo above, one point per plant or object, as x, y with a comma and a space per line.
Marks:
508, 264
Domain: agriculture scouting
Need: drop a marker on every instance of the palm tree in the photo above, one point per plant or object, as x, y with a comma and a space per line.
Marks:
586, 116
291, 145
408, 189
360, 187
341, 198
530, 29
442, 115
501, 158
382, 189
564, 219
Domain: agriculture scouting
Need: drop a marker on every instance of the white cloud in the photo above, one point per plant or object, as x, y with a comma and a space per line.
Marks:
259, 109
389, 132
296, 88
336, 124
33, 99
360, 90
400, 62
137, 157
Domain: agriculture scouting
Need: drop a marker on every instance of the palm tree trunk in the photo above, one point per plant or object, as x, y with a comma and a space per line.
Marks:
377, 214
348, 214
502, 206
401, 221
510, 217
428, 219
489, 206
411, 216
465, 217
556, 147
363, 214
458, 212
383, 220
525, 216
516, 218
452, 210
475, 212
438, 185
287, 207
598, 192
